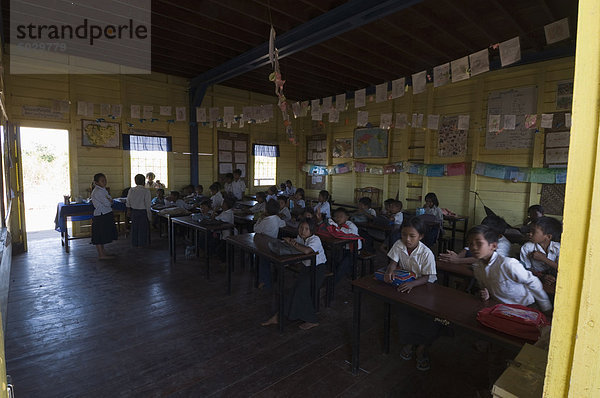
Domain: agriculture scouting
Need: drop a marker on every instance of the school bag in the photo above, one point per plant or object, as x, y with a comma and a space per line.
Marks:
400, 276
514, 319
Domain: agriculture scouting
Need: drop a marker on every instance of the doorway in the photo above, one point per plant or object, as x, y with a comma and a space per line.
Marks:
45, 160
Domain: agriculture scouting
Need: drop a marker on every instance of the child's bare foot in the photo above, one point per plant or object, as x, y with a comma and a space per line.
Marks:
308, 325
271, 321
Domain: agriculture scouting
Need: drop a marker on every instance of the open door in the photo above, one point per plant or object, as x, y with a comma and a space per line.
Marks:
15, 188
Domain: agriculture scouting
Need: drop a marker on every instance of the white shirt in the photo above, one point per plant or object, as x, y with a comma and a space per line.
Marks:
371, 212
228, 217
503, 248
269, 197
289, 191
138, 198
285, 212
227, 187
535, 265
217, 200
178, 203
349, 228
314, 242
269, 226
101, 200
299, 203
398, 218
325, 209
507, 281
258, 207
436, 211
238, 188
420, 262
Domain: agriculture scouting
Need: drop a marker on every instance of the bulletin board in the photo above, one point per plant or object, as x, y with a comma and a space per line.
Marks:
556, 150
316, 153
232, 153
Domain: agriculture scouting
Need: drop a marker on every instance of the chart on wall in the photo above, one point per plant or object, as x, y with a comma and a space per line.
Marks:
370, 143
232, 153
451, 140
316, 153
503, 131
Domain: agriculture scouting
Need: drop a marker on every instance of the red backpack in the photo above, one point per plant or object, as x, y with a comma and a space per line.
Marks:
516, 320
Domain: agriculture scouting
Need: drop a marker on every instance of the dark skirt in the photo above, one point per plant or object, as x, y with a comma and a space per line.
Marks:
140, 227
298, 302
416, 327
103, 229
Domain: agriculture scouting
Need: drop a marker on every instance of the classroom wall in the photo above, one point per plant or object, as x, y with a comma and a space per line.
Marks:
506, 198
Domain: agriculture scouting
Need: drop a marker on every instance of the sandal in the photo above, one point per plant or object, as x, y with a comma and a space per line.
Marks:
423, 363
407, 352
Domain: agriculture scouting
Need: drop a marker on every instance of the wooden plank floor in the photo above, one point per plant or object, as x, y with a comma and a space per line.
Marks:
141, 326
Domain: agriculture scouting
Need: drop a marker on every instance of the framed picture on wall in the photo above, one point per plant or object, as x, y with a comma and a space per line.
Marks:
342, 148
371, 142
100, 134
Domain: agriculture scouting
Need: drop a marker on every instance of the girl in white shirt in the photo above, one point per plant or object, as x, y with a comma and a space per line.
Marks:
417, 330
323, 206
298, 303
103, 224
284, 211
268, 226
216, 196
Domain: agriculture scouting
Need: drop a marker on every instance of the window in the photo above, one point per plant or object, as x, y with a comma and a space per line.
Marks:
265, 164
148, 154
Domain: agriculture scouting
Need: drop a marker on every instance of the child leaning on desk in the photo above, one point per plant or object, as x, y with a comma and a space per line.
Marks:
540, 254
503, 278
298, 303
417, 330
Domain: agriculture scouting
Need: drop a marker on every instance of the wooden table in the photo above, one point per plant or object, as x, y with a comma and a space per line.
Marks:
207, 228
258, 244
441, 302
245, 203
452, 228
464, 271
244, 221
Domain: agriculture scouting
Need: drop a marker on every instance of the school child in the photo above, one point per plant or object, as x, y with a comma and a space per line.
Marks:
290, 190
260, 206
323, 206
153, 184
138, 208
159, 199
227, 186
206, 209
174, 200
298, 199
341, 221
417, 331
227, 214
364, 208
298, 303
533, 213
540, 254
238, 186
284, 211
503, 278
103, 223
432, 206
271, 193
268, 226
216, 196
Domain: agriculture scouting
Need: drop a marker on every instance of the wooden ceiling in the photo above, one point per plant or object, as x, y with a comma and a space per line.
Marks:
190, 37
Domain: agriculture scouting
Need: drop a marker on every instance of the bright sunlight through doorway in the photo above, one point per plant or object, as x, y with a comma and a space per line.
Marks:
45, 158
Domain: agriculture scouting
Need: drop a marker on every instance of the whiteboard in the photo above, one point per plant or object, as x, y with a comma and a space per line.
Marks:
520, 102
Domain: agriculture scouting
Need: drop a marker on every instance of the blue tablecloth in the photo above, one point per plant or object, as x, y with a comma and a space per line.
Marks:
63, 210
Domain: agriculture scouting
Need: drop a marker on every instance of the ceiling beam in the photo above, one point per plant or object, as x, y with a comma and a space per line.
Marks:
521, 31
348, 16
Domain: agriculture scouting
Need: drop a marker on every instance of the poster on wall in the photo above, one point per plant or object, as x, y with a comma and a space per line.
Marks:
370, 143
451, 140
564, 94
342, 148
100, 134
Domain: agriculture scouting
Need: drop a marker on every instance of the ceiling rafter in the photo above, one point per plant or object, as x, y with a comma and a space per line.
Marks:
512, 19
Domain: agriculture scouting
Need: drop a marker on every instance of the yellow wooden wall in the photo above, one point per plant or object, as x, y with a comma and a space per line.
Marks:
420, 145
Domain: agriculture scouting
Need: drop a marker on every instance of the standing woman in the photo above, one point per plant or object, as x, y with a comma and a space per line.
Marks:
103, 223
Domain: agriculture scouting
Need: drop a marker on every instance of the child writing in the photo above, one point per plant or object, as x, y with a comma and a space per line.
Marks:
138, 209
268, 226
216, 196
260, 206
417, 331
238, 186
323, 206
103, 223
503, 278
284, 211
540, 254
298, 304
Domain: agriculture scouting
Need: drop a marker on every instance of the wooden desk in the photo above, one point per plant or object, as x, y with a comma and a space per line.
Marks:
452, 220
245, 203
207, 228
244, 221
438, 301
258, 244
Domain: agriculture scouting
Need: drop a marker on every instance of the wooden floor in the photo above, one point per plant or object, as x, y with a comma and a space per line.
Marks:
143, 327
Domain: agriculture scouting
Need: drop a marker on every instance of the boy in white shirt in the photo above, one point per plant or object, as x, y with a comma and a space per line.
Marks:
238, 186
216, 196
268, 226
341, 221
260, 206
175, 200
540, 255
284, 211
503, 278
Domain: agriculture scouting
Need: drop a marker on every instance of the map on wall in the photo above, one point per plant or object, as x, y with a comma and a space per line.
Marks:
370, 143
518, 102
103, 134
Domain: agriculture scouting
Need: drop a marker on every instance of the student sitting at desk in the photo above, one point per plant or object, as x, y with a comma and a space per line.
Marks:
503, 278
417, 331
296, 202
284, 212
298, 303
533, 213
159, 199
260, 206
396, 218
271, 193
323, 206
174, 200
227, 215
268, 226
290, 190
540, 255
216, 196
341, 221
206, 209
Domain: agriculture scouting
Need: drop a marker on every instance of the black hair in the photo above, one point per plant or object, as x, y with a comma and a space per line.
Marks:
206, 202
160, 190
549, 226
261, 194
365, 201
325, 195
301, 192
433, 198
148, 174
139, 179
176, 194
290, 181
215, 187
282, 197
98, 176
312, 225
341, 210
272, 188
488, 233
229, 200
496, 223
237, 171
416, 223
388, 202
537, 208
272, 207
